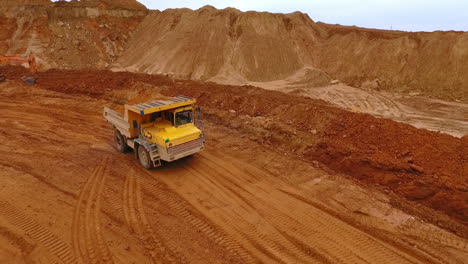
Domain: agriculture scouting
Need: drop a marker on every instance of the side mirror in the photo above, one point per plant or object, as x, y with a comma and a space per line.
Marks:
199, 122
199, 113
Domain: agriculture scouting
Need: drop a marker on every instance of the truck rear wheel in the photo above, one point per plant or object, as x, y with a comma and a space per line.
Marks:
120, 142
144, 158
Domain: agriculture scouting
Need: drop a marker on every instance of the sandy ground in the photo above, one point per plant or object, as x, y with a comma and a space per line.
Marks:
421, 112
67, 196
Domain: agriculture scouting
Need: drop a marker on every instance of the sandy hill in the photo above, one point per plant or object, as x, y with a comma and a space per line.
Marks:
234, 47
434, 63
229, 46
130, 4
222, 45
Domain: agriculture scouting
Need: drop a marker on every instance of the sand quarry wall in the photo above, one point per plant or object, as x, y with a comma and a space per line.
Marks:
235, 47
77, 34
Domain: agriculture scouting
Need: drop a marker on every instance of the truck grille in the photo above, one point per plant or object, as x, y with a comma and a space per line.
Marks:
182, 139
179, 149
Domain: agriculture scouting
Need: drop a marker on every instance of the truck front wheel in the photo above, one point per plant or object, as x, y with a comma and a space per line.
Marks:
120, 142
144, 158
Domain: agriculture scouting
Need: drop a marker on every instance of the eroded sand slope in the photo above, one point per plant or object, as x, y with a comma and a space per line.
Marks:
77, 34
235, 47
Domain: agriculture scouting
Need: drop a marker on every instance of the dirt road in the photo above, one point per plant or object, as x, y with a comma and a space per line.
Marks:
67, 196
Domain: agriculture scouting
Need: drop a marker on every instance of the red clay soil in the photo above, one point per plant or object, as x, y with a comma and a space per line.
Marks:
420, 165
423, 166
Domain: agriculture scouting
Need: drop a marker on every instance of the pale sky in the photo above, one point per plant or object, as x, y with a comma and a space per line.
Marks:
409, 15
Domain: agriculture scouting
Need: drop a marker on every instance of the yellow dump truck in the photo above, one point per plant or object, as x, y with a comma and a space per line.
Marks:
162, 130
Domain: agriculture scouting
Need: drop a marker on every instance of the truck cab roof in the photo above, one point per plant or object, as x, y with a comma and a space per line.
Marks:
161, 105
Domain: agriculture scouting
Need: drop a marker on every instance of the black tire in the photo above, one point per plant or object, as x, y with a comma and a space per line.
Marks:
120, 142
144, 158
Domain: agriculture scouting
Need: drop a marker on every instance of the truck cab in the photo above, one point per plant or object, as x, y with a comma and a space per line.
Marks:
162, 130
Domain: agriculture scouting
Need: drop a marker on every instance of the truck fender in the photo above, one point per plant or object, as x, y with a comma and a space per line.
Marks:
140, 142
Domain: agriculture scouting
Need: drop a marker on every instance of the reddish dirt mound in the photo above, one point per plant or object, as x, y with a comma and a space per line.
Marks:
423, 166
420, 165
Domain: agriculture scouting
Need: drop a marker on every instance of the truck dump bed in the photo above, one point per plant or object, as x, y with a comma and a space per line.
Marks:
117, 120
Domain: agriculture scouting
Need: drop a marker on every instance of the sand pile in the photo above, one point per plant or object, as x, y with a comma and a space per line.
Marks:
233, 47
128, 4
221, 45
432, 63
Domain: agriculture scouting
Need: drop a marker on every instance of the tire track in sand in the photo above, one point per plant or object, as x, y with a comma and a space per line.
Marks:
303, 223
184, 210
266, 239
38, 233
88, 241
136, 219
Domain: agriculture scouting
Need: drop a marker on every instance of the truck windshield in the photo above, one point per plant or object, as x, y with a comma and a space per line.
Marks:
183, 118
